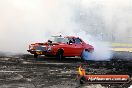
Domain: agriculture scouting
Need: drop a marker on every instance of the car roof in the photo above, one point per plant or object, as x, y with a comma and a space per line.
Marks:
65, 36
71, 37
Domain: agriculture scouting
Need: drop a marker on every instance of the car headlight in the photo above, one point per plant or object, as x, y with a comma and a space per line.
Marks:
31, 47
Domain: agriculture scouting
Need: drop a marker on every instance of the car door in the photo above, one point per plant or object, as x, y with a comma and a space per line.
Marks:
70, 48
78, 46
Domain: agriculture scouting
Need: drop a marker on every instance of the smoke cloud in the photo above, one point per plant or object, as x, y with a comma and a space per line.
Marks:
27, 21
101, 49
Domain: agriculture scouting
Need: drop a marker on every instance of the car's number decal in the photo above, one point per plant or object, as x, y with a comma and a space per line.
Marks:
39, 52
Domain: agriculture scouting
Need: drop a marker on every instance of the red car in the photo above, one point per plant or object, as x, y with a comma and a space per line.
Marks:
60, 47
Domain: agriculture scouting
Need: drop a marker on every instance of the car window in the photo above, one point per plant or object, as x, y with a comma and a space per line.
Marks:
77, 41
71, 40
60, 39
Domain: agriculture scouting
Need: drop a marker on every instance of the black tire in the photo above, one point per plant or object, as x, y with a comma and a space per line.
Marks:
82, 58
59, 55
35, 55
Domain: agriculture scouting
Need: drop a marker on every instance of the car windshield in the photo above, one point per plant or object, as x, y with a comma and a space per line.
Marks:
60, 39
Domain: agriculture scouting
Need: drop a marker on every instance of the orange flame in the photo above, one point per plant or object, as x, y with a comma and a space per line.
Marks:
81, 71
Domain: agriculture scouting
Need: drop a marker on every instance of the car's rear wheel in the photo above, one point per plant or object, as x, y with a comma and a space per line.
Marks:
59, 54
35, 55
84, 55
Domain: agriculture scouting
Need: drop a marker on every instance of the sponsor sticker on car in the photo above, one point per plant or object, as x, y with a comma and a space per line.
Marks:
38, 52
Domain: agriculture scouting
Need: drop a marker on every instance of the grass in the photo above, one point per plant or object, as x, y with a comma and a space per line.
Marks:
126, 47
122, 49
121, 44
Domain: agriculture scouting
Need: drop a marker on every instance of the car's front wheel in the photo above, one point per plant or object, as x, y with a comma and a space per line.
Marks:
35, 55
59, 55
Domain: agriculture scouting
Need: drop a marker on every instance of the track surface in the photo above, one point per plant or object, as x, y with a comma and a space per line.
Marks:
25, 72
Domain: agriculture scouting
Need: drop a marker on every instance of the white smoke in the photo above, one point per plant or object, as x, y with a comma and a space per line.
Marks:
25, 21
101, 49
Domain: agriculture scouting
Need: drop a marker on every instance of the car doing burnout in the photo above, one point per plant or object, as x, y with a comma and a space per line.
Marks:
60, 47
